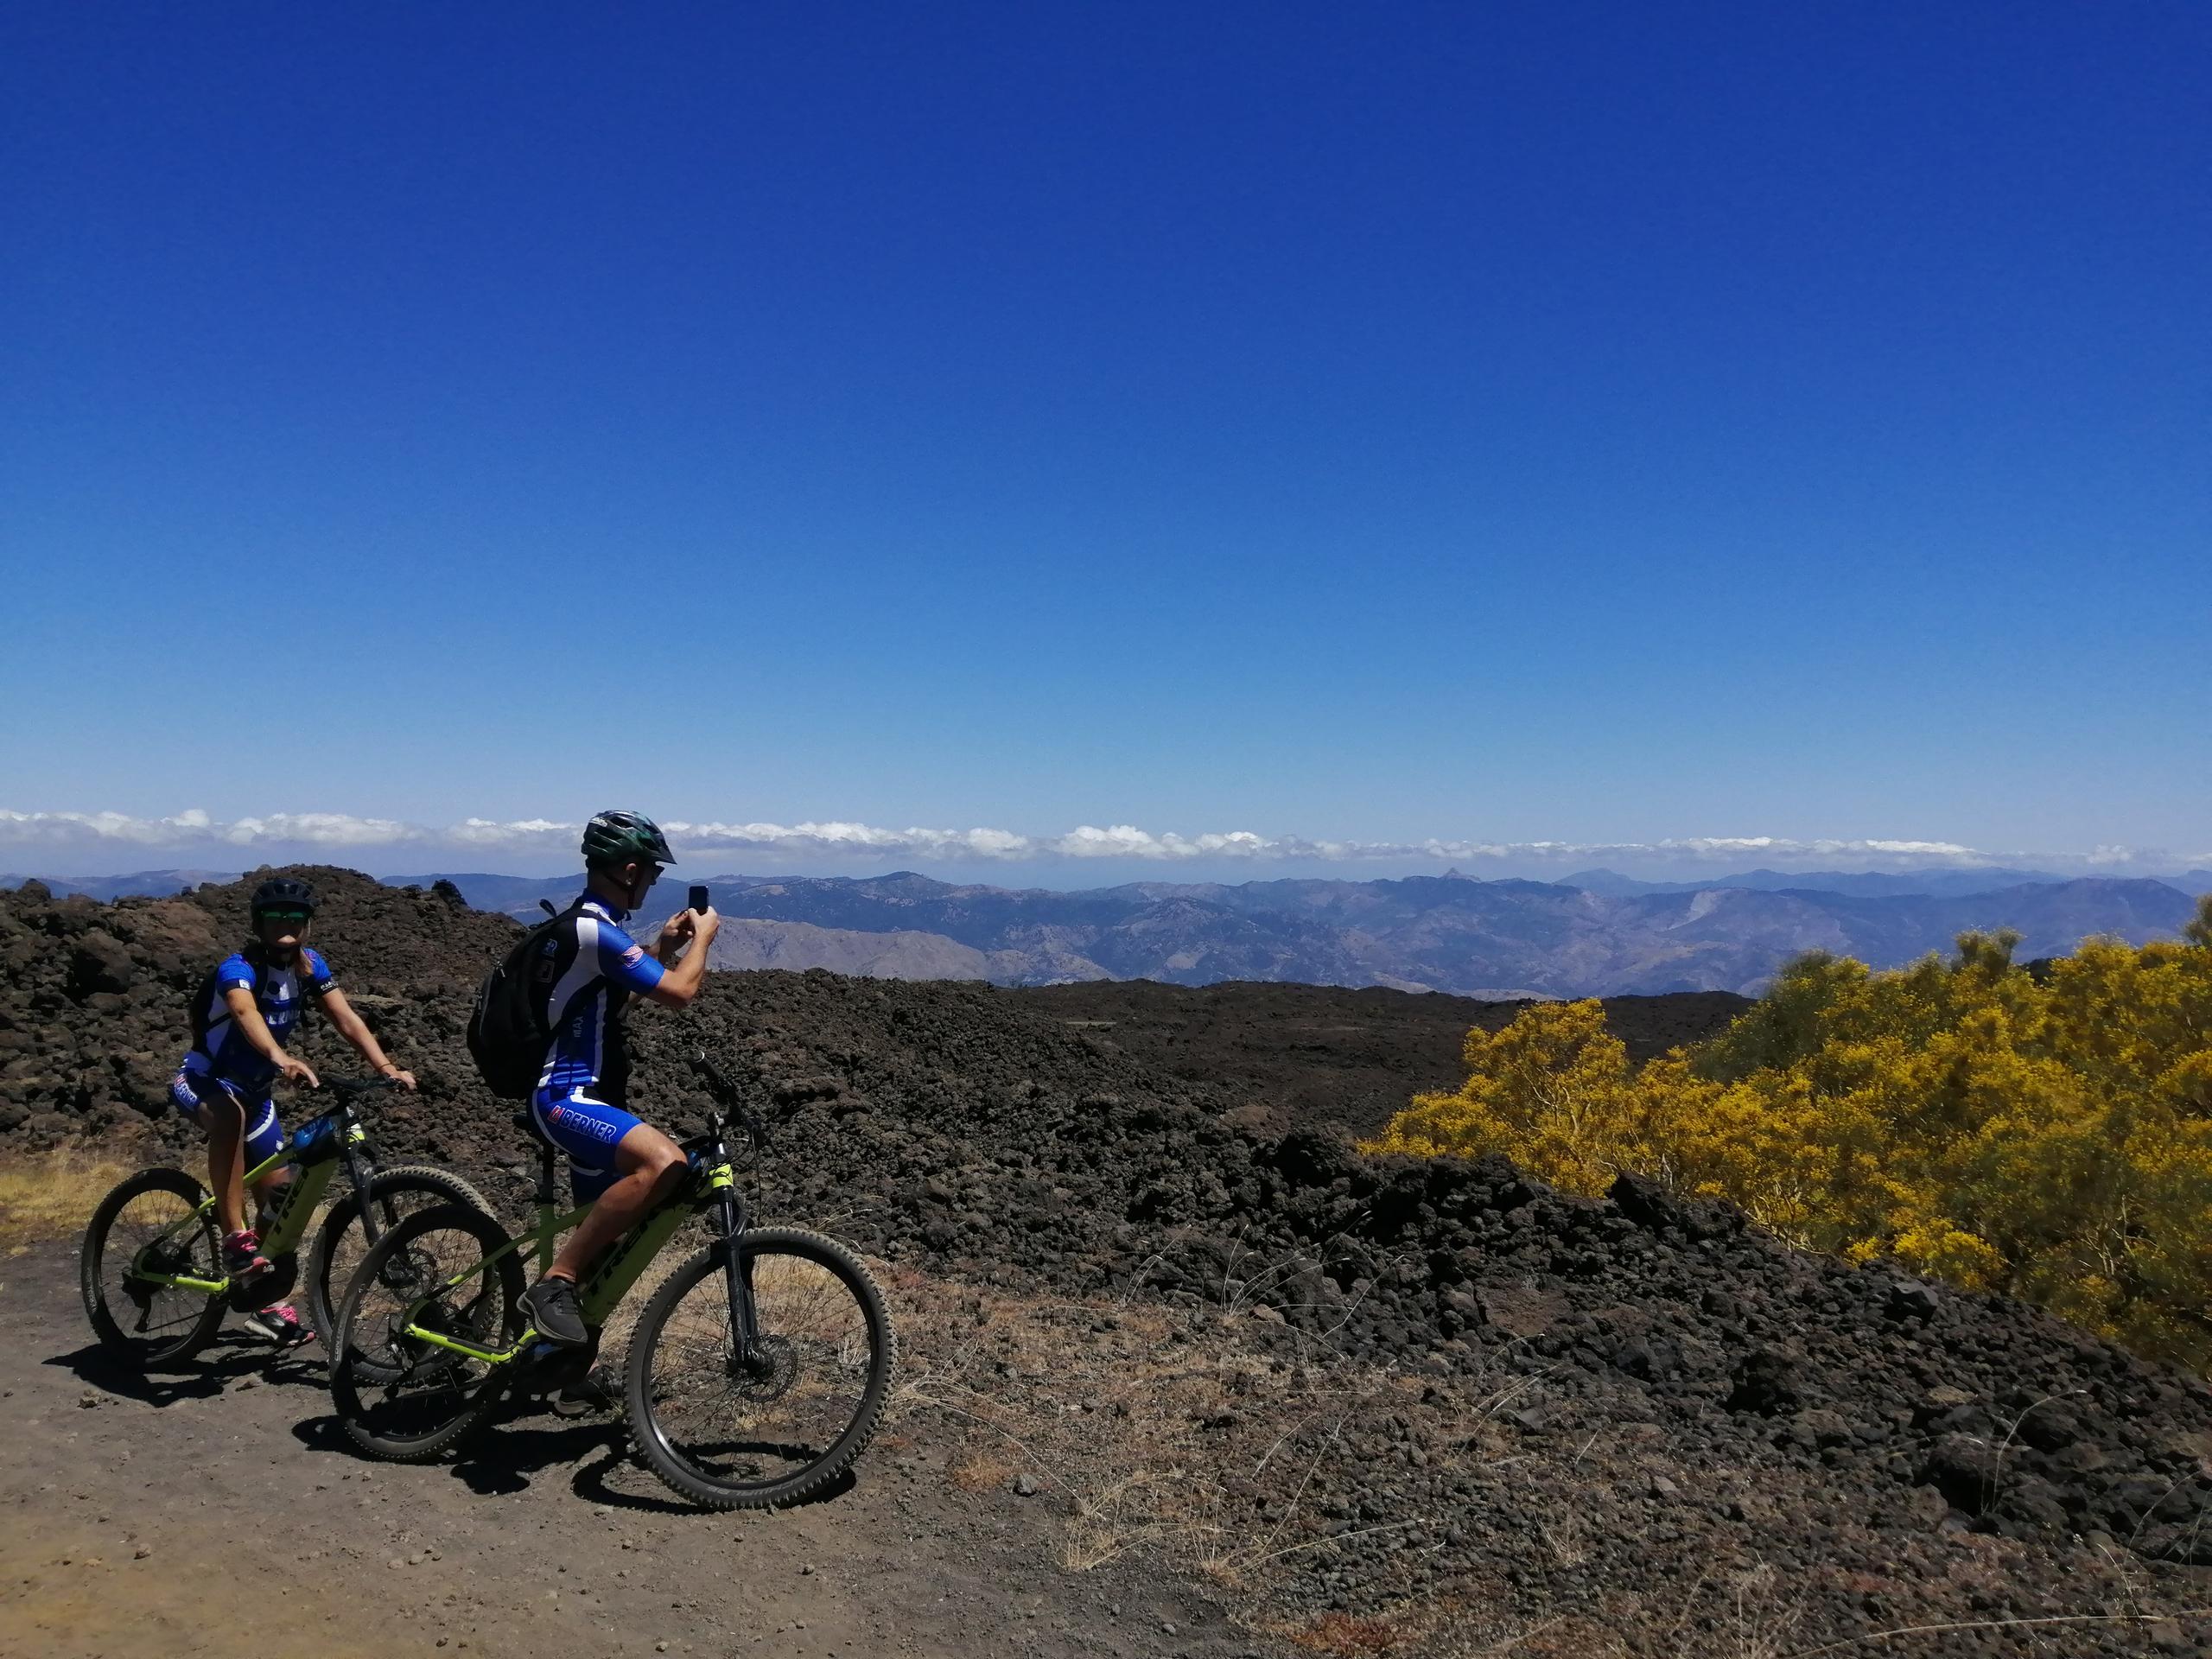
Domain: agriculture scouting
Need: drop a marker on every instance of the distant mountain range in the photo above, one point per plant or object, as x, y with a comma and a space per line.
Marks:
1877, 884
1597, 934
1444, 933
151, 884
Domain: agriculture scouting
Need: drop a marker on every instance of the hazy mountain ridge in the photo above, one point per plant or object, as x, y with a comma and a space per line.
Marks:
1868, 884
144, 884
1450, 933
1444, 933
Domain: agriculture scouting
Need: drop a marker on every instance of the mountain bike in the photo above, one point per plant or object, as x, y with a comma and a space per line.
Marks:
151, 1268
756, 1375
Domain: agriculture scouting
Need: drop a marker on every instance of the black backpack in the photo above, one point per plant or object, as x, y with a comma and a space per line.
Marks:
507, 1038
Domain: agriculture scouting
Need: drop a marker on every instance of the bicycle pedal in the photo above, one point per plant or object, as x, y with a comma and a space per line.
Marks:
594, 1390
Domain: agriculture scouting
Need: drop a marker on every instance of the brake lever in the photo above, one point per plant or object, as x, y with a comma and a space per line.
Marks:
717, 1084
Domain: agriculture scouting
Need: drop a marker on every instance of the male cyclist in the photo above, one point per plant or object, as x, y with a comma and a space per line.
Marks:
241, 1016
589, 970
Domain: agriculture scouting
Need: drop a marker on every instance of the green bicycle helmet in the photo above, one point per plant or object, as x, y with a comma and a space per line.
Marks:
614, 839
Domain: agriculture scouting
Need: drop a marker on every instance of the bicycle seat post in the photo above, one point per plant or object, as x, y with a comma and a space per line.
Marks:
545, 1198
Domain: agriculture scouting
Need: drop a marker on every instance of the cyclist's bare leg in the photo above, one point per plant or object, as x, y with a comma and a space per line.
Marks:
648, 1164
225, 1119
269, 1191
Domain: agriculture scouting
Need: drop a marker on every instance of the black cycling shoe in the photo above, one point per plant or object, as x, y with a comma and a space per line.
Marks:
551, 1304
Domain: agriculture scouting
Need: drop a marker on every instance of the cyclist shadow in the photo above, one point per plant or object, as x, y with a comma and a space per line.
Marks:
505, 1461
502, 1458
227, 1361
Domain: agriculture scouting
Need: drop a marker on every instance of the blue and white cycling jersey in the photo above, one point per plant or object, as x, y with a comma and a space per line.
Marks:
586, 971
591, 969
219, 1050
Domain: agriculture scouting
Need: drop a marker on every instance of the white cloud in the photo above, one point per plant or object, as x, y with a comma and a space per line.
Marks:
281, 835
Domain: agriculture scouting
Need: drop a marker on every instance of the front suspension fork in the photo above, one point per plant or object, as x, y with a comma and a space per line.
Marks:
737, 1280
362, 1173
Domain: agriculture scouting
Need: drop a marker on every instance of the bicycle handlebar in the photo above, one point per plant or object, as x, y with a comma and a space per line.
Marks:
346, 1088
717, 1084
726, 1097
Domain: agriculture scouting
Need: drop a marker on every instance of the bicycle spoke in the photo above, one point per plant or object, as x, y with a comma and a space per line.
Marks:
155, 1233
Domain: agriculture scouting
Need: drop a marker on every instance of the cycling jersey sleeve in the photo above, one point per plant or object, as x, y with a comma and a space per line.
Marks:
236, 974
318, 976
625, 962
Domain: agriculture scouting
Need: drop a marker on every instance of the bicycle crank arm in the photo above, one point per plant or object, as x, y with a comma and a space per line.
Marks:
183, 1282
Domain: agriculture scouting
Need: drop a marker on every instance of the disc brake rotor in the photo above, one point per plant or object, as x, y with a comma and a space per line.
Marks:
771, 1371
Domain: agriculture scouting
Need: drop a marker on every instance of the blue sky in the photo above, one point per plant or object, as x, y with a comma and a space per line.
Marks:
1355, 427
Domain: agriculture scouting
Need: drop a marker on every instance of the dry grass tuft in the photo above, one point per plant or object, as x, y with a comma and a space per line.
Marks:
980, 1467
53, 1194
1343, 1636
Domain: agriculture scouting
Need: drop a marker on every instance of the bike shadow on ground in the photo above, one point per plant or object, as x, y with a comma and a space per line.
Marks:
505, 1456
508, 1456
224, 1364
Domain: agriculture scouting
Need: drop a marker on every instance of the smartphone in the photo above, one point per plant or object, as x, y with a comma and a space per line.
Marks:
699, 900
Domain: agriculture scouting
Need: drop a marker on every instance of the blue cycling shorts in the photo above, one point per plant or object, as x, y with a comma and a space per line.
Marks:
587, 1131
189, 1092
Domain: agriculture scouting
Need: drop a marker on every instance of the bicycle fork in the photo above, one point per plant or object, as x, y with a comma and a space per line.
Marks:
737, 1272
361, 1170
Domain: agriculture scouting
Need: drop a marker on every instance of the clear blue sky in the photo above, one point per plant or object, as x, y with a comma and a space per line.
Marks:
1601, 424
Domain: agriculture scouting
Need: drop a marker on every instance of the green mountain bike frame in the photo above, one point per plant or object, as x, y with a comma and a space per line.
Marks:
319, 1146
711, 1186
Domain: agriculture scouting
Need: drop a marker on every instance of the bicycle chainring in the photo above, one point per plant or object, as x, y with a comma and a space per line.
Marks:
273, 1286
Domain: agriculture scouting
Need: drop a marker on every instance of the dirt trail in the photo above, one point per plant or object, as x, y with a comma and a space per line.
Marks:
219, 1511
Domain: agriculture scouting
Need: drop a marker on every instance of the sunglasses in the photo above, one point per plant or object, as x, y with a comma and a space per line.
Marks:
292, 918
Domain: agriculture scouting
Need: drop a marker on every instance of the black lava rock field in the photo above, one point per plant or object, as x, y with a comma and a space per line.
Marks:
1317, 1057
1608, 1417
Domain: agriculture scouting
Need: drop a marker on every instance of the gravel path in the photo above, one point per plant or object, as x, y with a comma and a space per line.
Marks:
218, 1512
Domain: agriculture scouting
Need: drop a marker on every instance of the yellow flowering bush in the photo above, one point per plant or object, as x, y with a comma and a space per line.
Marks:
2047, 1134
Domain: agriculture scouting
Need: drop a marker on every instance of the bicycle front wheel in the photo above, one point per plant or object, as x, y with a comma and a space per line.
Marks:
149, 1230
402, 1398
738, 1435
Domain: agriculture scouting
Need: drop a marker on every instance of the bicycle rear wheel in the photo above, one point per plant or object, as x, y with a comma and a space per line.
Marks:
737, 1437
404, 1399
340, 1244
148, 1226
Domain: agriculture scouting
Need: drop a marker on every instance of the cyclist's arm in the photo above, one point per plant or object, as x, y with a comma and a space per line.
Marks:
677, 985
245, 1015
355, 1030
